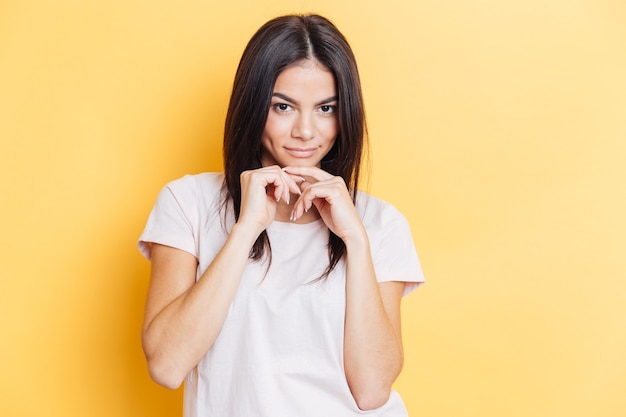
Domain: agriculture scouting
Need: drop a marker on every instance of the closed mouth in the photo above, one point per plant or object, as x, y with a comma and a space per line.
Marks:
301, 152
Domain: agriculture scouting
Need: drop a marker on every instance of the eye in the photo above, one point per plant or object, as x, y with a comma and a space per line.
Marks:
282, 107
327, 109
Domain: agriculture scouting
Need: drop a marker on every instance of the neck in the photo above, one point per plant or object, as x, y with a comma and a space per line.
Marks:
283, 212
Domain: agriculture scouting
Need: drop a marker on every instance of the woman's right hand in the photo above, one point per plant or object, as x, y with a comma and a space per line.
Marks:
261, 190
178, 305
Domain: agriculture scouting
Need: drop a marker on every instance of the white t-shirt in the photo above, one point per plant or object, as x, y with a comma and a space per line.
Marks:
280, 351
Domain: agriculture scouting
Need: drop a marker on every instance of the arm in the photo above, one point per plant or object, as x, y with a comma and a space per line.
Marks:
373, 354
183, 317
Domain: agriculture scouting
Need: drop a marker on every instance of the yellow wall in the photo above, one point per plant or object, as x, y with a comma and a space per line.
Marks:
498, 128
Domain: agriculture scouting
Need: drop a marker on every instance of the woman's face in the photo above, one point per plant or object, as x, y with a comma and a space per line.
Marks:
301, 125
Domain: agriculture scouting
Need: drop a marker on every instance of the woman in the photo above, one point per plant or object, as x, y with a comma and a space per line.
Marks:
275, 287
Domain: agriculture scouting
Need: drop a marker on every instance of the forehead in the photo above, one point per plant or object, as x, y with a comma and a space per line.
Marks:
306, 77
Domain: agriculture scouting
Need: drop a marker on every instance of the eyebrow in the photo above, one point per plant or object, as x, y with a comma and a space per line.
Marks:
294, 101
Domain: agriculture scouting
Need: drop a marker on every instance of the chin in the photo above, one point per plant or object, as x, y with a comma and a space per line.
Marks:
301, 163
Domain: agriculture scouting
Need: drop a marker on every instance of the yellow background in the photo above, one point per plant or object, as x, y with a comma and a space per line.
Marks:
497, 127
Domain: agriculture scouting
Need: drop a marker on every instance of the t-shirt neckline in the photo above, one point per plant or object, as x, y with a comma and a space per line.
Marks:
290, 226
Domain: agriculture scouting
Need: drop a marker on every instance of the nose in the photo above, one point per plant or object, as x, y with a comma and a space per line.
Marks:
304, 127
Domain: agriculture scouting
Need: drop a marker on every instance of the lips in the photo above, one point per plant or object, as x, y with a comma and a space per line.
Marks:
301, 152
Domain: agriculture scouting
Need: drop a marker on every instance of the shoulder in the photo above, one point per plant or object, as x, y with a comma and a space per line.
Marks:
376, 213
206, 181
192, 193
383, 222
391, 241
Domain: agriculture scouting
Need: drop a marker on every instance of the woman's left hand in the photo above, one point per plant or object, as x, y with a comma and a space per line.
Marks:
329, 194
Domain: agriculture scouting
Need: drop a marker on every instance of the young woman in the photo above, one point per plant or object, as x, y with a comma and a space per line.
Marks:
275, 286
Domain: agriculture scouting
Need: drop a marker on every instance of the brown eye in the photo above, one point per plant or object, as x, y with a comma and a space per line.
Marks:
282, 107
327, 109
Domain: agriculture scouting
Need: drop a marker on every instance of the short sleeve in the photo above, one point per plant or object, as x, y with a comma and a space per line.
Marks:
171, 221
393, 251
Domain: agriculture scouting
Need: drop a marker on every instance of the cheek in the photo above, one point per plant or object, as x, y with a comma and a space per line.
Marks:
331, 130
275, 126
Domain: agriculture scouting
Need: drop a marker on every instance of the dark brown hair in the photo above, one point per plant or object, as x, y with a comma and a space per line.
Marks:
277, 45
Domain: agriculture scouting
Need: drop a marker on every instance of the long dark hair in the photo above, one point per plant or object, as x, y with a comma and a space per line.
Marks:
277, 45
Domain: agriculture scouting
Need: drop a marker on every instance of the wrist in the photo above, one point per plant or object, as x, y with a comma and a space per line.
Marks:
357, 242
245, 234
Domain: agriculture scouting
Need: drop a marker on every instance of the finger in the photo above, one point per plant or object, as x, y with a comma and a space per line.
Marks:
285, 186
313, 172
291, 182
312, 194
332, 192
272, 179
275, 191
307, 200
283, 183
298, 209
297, 179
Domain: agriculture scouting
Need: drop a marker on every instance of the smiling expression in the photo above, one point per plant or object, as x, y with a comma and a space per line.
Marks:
301, 124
